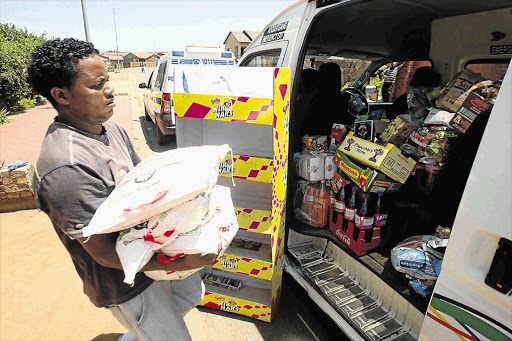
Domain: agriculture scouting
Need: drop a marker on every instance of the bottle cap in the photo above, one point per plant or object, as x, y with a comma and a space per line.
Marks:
354, 189
380, 194
366, 196
343, 182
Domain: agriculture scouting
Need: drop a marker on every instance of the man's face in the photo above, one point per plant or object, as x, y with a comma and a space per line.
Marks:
92, 97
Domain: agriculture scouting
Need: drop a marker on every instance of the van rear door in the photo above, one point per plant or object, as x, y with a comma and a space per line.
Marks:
472, 297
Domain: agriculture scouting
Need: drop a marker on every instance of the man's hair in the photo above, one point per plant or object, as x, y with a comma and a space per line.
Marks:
55, 64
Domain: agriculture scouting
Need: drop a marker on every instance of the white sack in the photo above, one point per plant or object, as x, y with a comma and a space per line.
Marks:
136, 246
158, 183
222, 228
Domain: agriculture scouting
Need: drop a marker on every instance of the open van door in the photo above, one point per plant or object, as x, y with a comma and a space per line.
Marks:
472, 297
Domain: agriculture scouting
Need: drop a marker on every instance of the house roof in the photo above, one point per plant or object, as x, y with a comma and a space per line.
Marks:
144, 55
113, 56
242, 37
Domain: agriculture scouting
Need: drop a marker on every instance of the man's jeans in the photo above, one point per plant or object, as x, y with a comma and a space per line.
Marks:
157, 313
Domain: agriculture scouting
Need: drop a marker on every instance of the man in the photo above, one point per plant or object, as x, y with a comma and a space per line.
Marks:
389, 79
83, 157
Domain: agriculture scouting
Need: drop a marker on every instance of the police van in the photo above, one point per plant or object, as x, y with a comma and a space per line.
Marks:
160, 86
370, 299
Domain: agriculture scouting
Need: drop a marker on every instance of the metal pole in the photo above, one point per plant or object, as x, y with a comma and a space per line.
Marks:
117, 48
86, 23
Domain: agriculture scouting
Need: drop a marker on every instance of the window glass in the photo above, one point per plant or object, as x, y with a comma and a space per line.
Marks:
489, 69
266, 59
160, 75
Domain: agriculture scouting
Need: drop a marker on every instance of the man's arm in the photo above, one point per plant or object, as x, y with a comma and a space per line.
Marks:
102, 247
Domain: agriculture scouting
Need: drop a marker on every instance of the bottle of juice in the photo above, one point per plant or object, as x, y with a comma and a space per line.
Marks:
321, 205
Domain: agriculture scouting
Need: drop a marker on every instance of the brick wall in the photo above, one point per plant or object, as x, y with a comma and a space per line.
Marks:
16, 189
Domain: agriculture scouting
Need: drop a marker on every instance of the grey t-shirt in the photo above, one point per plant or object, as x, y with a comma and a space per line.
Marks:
74, 174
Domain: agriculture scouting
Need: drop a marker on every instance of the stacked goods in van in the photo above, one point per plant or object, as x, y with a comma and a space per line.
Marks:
163, 198
314, 198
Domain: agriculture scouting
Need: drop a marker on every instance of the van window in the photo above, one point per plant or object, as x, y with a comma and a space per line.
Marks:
493, 69
160, 75
265, 59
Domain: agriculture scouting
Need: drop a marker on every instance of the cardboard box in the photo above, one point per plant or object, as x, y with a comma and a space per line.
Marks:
457, 90
473, 106
369, 180
387, 159
315, 167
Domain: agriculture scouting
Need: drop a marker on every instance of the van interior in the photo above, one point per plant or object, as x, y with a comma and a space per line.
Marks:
364, 38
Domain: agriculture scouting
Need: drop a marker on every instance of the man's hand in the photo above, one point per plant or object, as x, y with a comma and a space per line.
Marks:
193, 261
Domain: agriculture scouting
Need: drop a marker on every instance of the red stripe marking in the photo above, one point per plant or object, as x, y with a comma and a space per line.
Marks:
455, 330
197, 110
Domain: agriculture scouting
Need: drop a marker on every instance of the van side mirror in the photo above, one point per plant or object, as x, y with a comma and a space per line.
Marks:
142, 85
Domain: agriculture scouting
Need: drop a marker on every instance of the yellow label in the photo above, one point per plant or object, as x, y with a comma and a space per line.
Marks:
236, 305
224, 108
246, 168
244, 266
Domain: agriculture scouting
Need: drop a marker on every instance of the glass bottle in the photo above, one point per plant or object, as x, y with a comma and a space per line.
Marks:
364, 220
339, 203
381, 217
350, 210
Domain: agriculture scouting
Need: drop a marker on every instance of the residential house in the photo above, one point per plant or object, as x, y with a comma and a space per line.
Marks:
237, 41
114, 59
148, 58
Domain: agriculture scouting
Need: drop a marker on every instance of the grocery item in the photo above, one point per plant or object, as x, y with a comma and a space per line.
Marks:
321, 205
364, 220
380, 216
339, 203
398, 130
314, 167
480, 99
420, 259
456, 91
350, 210
315, 143
158, 183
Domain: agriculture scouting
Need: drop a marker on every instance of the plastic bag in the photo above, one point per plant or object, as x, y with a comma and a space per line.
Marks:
430, 144
158, 183
418, 104
418, 258
136, 246
221, 229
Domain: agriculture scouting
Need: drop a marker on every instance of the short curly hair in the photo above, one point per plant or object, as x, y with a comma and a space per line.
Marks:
55, 64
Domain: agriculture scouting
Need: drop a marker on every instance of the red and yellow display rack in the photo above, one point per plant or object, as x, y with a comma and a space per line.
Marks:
259, 295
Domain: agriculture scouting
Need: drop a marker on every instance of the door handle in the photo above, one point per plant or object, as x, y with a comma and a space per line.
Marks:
499, 276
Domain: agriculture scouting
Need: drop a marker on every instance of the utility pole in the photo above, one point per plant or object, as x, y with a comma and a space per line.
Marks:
117, 48
86, 23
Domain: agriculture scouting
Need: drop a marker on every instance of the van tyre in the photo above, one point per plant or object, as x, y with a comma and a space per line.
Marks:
161, 139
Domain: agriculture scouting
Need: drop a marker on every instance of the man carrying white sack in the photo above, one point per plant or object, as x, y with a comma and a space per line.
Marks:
83, 157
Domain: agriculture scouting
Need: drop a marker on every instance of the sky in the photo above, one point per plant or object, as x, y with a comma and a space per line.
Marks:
142, 26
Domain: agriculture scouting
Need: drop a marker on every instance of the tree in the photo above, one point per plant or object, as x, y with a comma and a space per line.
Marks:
16, 46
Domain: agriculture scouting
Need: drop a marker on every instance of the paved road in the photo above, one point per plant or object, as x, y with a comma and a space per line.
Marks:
41, 296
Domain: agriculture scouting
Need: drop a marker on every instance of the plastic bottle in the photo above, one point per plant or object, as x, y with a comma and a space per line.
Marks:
309, 200
339, 203
321, 209
364, 220
350, 210
381, 217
